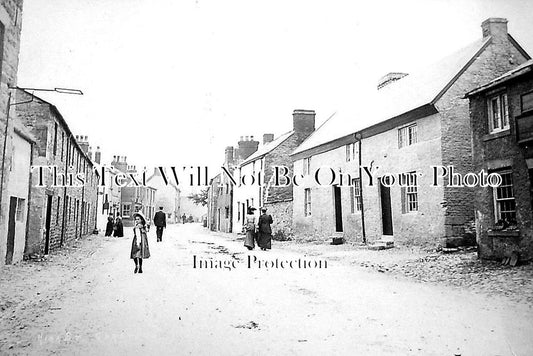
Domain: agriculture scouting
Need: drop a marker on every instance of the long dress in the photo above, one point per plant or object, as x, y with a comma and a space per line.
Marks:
119, 228
264, 233
109, 226
249, 225
139, 245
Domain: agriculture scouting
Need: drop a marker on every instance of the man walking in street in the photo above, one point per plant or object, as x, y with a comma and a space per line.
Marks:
160, 222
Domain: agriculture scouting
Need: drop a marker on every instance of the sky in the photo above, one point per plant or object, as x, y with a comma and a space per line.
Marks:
173, 82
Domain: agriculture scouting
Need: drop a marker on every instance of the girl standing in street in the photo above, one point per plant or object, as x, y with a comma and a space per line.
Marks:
139, 245
249, 226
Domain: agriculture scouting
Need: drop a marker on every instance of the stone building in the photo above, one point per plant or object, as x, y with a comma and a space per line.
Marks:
109, 193
134, 197
256, 174
14, 180
412, 122
213, 210
167, 195
63, 208
502, 135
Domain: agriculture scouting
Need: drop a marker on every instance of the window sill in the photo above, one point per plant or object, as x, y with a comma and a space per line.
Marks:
495, 135
503, 233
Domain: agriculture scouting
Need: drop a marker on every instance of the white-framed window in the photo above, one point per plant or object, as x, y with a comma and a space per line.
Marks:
498, 110
355, 195
21, 205
407, 136
504, 200
409, 192
126, 210
307, 202
307, 166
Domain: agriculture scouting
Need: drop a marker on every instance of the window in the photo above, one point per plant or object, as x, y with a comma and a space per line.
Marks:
505, 205
55, 139
407, 136
126, 210
307, 166
355, 195
238, 211
307, 202
226, 212
21, 204
409, 191
498, 113
527, 102
352, 152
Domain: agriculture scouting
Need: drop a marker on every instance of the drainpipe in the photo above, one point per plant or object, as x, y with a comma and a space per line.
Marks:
359, 139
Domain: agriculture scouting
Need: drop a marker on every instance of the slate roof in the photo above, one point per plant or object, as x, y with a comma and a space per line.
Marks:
513, 73
269, 147
404, 95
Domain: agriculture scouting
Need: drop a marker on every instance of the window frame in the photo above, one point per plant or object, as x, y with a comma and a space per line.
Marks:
307, 202
503, 120
496, 200
407, 135
306, 166
409, 193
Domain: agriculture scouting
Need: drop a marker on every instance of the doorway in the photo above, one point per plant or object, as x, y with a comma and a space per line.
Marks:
11, 230
338, 208
386, 210
47, 223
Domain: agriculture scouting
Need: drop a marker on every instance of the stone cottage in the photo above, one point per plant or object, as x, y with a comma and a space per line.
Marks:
502, 135
382, 156
256, 186
64, 207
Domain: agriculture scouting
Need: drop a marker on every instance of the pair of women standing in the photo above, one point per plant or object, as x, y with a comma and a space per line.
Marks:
114, 226
264, 232
139, 245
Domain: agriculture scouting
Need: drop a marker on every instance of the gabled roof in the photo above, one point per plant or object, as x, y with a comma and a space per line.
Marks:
522, 69
169, 181
269, 147
412, 92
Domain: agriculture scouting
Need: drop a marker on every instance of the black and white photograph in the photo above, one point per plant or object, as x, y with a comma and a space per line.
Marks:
232, 177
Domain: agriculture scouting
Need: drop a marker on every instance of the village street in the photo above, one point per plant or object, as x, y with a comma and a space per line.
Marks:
88, 301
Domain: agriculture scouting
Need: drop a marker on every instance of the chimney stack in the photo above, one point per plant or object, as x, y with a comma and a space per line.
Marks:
228, 157
247, 147
268, 138
98, 155
303, 121
494, 27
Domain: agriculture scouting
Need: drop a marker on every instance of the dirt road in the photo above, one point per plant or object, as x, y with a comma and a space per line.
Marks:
204, 294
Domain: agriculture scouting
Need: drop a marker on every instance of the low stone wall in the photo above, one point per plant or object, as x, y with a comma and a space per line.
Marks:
281, 213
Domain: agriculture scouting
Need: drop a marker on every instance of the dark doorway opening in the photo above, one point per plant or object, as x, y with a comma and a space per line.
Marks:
386, 211
338, 208
47, 223
11, 230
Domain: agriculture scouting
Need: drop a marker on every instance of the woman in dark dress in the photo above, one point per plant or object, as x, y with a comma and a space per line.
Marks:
249, 226
110, 225
264, 232
139, 245
118, 228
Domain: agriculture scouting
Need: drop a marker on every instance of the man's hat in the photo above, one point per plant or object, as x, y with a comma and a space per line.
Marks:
263, 209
